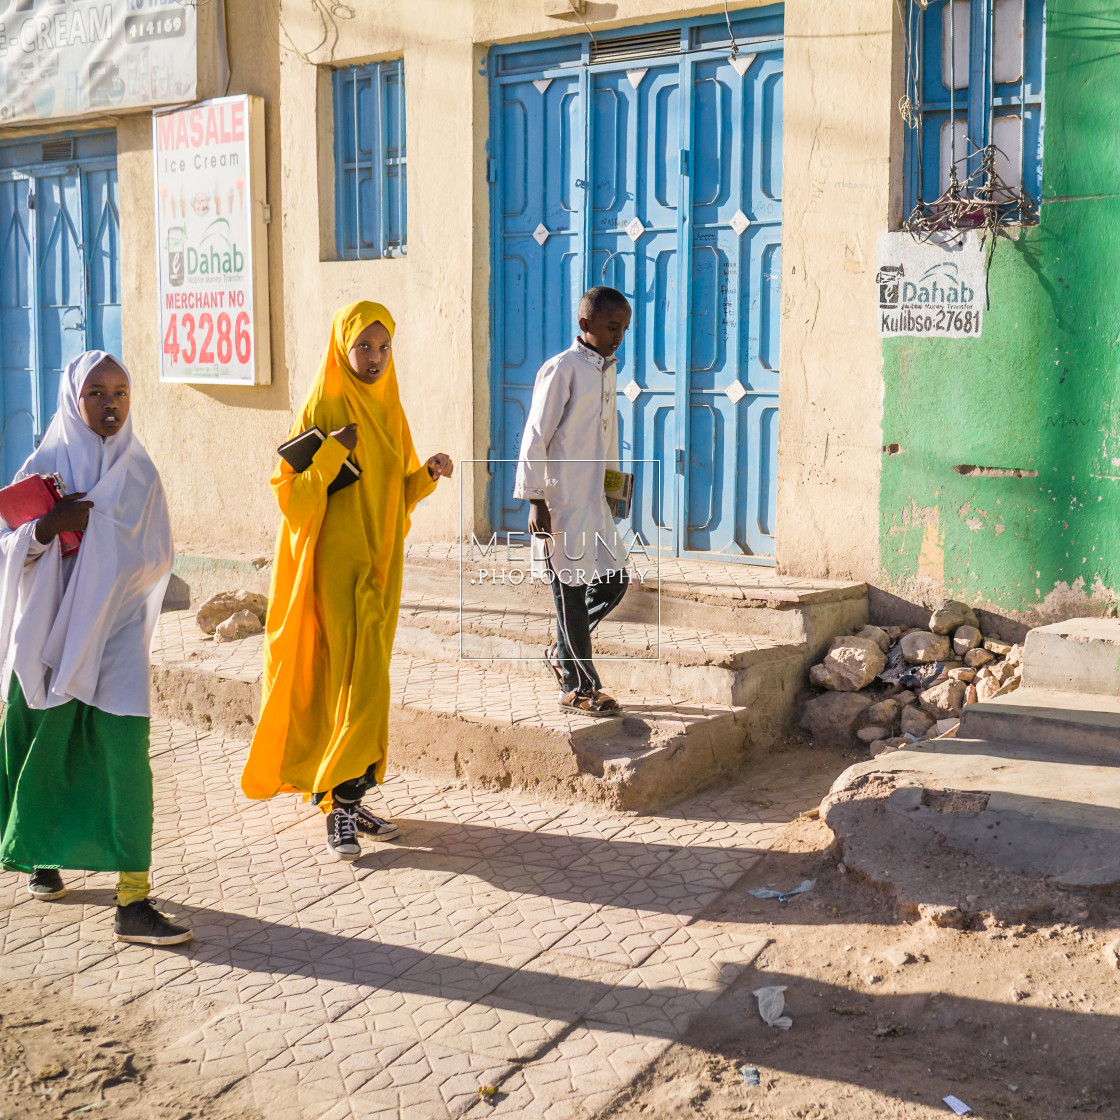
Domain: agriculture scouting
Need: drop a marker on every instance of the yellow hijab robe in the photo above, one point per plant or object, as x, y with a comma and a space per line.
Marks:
336, 581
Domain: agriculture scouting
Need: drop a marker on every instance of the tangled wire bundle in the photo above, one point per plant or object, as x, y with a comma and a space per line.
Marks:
983, 201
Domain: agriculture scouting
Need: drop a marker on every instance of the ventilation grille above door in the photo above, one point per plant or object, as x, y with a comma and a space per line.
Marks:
636, 46
58, 151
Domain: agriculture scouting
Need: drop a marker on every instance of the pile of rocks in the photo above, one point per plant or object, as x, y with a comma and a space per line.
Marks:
895, 685
232, 615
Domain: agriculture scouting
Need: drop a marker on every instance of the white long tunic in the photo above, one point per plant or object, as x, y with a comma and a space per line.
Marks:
81, 628
570, 441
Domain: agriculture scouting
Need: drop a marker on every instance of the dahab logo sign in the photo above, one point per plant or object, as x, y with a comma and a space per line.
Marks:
212, 250
925, 288
66, 58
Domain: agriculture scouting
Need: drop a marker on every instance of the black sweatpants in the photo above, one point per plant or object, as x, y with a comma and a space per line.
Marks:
351, 791
580, 608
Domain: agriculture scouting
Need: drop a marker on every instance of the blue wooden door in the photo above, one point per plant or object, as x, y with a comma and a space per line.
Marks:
59, 281
734, 304
18, 350
540, 256
635, 226
660, 176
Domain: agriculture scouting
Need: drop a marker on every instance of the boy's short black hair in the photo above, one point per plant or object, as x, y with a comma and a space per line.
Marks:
601, 299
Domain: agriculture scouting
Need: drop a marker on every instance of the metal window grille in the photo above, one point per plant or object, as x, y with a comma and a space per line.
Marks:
974, 107
371, 198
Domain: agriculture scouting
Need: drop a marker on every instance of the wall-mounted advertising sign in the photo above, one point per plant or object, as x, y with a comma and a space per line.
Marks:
938, 289
67, 58
212, 242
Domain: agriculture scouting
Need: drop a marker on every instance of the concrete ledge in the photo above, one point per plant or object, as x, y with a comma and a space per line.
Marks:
197, 576
707, 667
1078, 725
1023, 816
205, 700
655, 755
1079, 655
627, 764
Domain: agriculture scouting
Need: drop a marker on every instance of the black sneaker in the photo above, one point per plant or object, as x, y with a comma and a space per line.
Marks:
377, 827
342, 833
140, 923
46, 884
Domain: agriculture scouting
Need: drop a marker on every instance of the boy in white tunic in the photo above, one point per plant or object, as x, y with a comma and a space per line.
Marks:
570, 441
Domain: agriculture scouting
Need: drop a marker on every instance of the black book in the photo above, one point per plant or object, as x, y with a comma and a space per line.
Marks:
300, 450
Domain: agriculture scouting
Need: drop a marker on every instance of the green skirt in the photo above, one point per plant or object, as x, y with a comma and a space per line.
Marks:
76, 788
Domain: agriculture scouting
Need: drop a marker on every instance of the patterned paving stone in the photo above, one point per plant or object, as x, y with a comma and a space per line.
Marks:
532, 922
425, 1081
487, 841
124, 973
553, 951
683, 977
577, 1078
620, 935
232, 1045
559, 984
501, 1033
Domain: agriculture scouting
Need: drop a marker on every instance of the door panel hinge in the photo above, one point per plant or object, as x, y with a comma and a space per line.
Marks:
684, 162
492, 169
680, 460
492, 460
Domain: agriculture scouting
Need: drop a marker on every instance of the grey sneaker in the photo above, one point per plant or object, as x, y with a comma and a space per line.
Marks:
377, 827
342, 833
140, 923
46, 884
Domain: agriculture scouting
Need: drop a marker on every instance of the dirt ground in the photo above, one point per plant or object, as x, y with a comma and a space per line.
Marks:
889, 1017
1021, 1022
63, 1059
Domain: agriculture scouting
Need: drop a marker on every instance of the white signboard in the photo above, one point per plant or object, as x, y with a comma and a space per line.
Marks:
212, 242
931, 289
65, 58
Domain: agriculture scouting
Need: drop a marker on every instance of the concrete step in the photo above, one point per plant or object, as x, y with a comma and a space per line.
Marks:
455, 721
706, 660
696, 595
693, 594
1079, 655
1077, 724
705, 666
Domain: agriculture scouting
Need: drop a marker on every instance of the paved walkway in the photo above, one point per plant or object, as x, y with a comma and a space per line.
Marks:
548, 950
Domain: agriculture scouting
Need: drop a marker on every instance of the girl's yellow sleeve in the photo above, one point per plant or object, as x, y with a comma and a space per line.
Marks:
303, 494
417, 485
418, 482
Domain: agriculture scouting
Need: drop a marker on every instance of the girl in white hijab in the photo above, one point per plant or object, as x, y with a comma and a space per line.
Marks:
76, 635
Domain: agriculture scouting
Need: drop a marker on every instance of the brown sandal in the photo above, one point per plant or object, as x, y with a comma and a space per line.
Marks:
597, 704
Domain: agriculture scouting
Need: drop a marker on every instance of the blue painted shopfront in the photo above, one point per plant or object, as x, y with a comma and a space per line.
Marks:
649, 160
60, 275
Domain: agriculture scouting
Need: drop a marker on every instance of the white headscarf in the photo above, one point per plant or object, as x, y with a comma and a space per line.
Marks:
82, 627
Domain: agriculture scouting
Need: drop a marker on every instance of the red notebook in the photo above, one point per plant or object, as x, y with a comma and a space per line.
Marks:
31, 497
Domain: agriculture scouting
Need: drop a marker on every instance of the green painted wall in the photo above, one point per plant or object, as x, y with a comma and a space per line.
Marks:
1039, 391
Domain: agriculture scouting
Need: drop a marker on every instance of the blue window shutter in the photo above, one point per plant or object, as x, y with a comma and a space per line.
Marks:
370, 181
393, 158
988, 107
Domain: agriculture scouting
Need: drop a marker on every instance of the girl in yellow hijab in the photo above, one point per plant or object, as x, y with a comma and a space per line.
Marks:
336, 586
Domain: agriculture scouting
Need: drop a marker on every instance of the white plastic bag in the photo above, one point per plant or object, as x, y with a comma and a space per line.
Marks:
771, 1003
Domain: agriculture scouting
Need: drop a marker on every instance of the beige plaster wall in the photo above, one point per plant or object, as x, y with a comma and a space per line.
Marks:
439, 292
215, 447
431, 290
840, 129
841, 71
